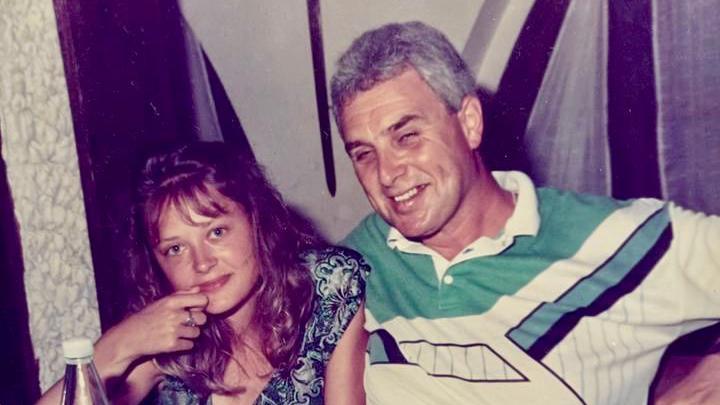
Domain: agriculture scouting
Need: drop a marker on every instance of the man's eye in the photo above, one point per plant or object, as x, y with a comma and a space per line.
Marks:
218, 232
360, 156
407, 137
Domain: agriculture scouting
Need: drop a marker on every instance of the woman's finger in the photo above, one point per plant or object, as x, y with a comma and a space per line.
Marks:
184, 344
180, 300
188, 332
197, 315
191, 290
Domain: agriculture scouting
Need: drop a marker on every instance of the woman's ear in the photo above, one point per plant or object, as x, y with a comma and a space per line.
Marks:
470, 117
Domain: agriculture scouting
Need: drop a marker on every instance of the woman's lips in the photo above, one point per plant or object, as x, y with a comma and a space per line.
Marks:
214, 284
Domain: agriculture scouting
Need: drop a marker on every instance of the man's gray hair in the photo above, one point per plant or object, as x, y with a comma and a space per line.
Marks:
385, 52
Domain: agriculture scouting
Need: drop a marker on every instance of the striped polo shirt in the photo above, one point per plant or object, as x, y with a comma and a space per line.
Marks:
574, 302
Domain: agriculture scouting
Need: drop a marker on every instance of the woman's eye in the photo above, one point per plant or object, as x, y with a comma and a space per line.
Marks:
173, 250
217, 232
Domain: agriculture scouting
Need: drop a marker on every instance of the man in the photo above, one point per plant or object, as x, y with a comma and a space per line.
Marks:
485, 289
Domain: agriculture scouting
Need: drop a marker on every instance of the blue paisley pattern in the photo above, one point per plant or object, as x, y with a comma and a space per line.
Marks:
339, 276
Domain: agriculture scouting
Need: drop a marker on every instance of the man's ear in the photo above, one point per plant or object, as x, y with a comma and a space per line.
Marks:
470, 117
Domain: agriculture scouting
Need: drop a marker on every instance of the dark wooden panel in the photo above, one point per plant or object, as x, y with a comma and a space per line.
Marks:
129, 83
19, 382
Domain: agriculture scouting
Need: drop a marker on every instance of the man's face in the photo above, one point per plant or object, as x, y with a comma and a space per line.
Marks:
413, 157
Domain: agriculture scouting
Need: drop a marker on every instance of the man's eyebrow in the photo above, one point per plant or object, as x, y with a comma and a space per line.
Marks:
349, 146
404, 120
396, 126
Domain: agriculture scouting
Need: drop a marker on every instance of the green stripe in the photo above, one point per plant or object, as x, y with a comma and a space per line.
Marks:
589, 289
406, 285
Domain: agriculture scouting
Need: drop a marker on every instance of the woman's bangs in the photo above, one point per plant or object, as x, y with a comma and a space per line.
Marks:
196, 198
201, 200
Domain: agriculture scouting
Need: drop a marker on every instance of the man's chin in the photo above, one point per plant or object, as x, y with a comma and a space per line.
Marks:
414, 231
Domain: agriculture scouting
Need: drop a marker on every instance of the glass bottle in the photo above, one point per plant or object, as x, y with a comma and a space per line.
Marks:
82, 384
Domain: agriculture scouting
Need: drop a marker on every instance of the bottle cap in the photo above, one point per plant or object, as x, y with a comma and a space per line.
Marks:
77, 348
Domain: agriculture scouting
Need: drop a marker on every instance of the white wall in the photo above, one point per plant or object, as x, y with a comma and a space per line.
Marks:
261, 51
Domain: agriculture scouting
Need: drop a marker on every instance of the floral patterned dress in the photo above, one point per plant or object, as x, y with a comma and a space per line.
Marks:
339, 275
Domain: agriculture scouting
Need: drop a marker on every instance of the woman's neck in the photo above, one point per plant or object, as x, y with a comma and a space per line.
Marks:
242, 317
249, 368
249, 348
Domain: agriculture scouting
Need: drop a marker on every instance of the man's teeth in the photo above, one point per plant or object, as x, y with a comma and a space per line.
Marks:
406, 195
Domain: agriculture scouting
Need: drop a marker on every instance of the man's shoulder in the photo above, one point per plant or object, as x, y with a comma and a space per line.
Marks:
571, 203
564, 196
370, 232
575, 216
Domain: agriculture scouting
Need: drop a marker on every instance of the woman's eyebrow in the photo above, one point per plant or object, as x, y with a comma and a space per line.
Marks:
166, 240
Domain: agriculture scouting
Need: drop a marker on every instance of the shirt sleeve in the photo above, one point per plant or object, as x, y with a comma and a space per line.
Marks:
696, 253
339, 275
172, 391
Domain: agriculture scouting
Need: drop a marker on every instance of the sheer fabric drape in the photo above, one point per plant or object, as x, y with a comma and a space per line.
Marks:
566, 136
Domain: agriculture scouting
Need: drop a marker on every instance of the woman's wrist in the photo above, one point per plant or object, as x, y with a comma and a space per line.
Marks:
111, 356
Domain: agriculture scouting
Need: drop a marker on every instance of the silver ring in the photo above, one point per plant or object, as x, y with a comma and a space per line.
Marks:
190, 321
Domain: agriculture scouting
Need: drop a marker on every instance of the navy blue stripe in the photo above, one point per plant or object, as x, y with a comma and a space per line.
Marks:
567, 322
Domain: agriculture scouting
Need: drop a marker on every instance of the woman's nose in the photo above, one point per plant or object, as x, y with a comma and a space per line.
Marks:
205, 259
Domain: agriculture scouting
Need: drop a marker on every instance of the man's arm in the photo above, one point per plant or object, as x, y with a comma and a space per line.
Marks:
699, 387
697, 239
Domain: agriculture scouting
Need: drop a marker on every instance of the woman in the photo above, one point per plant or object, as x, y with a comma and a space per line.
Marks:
235, 301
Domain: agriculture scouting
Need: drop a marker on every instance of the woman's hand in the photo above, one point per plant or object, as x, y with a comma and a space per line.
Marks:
161, 327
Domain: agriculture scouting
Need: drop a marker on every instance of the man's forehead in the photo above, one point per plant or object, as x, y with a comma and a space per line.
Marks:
387, 104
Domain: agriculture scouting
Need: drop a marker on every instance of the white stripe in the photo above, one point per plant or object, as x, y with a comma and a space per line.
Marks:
601, 244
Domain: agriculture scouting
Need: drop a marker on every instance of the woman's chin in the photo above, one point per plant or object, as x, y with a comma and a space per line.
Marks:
222, 308
235, 305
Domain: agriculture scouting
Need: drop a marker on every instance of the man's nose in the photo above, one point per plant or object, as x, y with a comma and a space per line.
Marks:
205, 259
390, 168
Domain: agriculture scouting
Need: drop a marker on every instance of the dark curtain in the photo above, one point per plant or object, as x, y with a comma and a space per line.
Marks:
137, 80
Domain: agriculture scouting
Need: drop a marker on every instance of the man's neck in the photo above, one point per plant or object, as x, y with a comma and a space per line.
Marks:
484, 212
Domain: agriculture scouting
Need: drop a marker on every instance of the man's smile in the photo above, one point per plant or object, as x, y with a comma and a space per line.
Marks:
406, 200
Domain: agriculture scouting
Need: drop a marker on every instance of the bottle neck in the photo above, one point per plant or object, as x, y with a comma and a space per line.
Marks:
79, 360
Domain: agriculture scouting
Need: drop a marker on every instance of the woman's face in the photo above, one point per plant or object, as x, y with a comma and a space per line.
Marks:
215, 254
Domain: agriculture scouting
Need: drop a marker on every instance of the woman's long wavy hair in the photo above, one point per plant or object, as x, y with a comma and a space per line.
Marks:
187, 177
